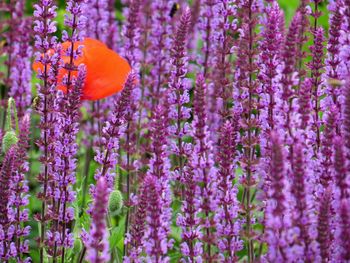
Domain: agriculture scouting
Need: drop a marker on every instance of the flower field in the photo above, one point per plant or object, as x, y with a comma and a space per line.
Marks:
174, 131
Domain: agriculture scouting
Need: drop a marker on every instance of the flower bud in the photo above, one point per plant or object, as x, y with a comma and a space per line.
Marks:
115, 203
77, 246
10, 138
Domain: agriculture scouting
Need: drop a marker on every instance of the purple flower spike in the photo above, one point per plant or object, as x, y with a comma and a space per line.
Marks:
21, 53
67, 126
324, 226
106, 154
277, 217
269, 62
304, 11
226, 218
97, 15
160, 49
159, 168
288, 78
346, 118
333, 48
248, 101
179, 93
302, 216
45, 27
339, 164
65, 162
7, 228
189, 221
135, 237
327, 147
316, 67
20, 189
131, 32
97, 246
223, 31
156, 238
203, 161
342, 232
345, 40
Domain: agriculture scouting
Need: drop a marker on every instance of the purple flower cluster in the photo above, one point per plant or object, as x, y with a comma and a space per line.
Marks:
97, 246
45, 27
111, 132
230, 140
202, 160
7, 229
21, 53
59, 237
14, 191
178, 96
226, 218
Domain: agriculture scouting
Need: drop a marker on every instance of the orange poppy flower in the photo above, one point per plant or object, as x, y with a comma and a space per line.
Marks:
106, 70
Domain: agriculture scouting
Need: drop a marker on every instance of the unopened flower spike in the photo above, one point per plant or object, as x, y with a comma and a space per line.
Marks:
11, 110
11, 137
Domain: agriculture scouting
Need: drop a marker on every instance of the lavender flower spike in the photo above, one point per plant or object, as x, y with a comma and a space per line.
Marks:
203, 162
189, 221
333, 48
179, 92
346, 118
97, 247
7, 228
45, 27
316, 67
21, 73
227, 225
135, 237
68, 127
323, 226
269, 62
20, 191
155, 240
303, 206
111, 132
277, 217
97, 15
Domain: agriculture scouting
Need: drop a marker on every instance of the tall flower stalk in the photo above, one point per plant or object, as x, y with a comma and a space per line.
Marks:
203, 162
7, 228
189, 221
289, 55
277, 216
111, 132
160, 209
246, 72
179, 96
333, 60
20, 191
45, 27
316, 67
269, 62
156, 242
132, 35
134, 238
224, 30
226, 219
19, 68
302, 216
324, 226
160, 46
97, 247
68, 118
